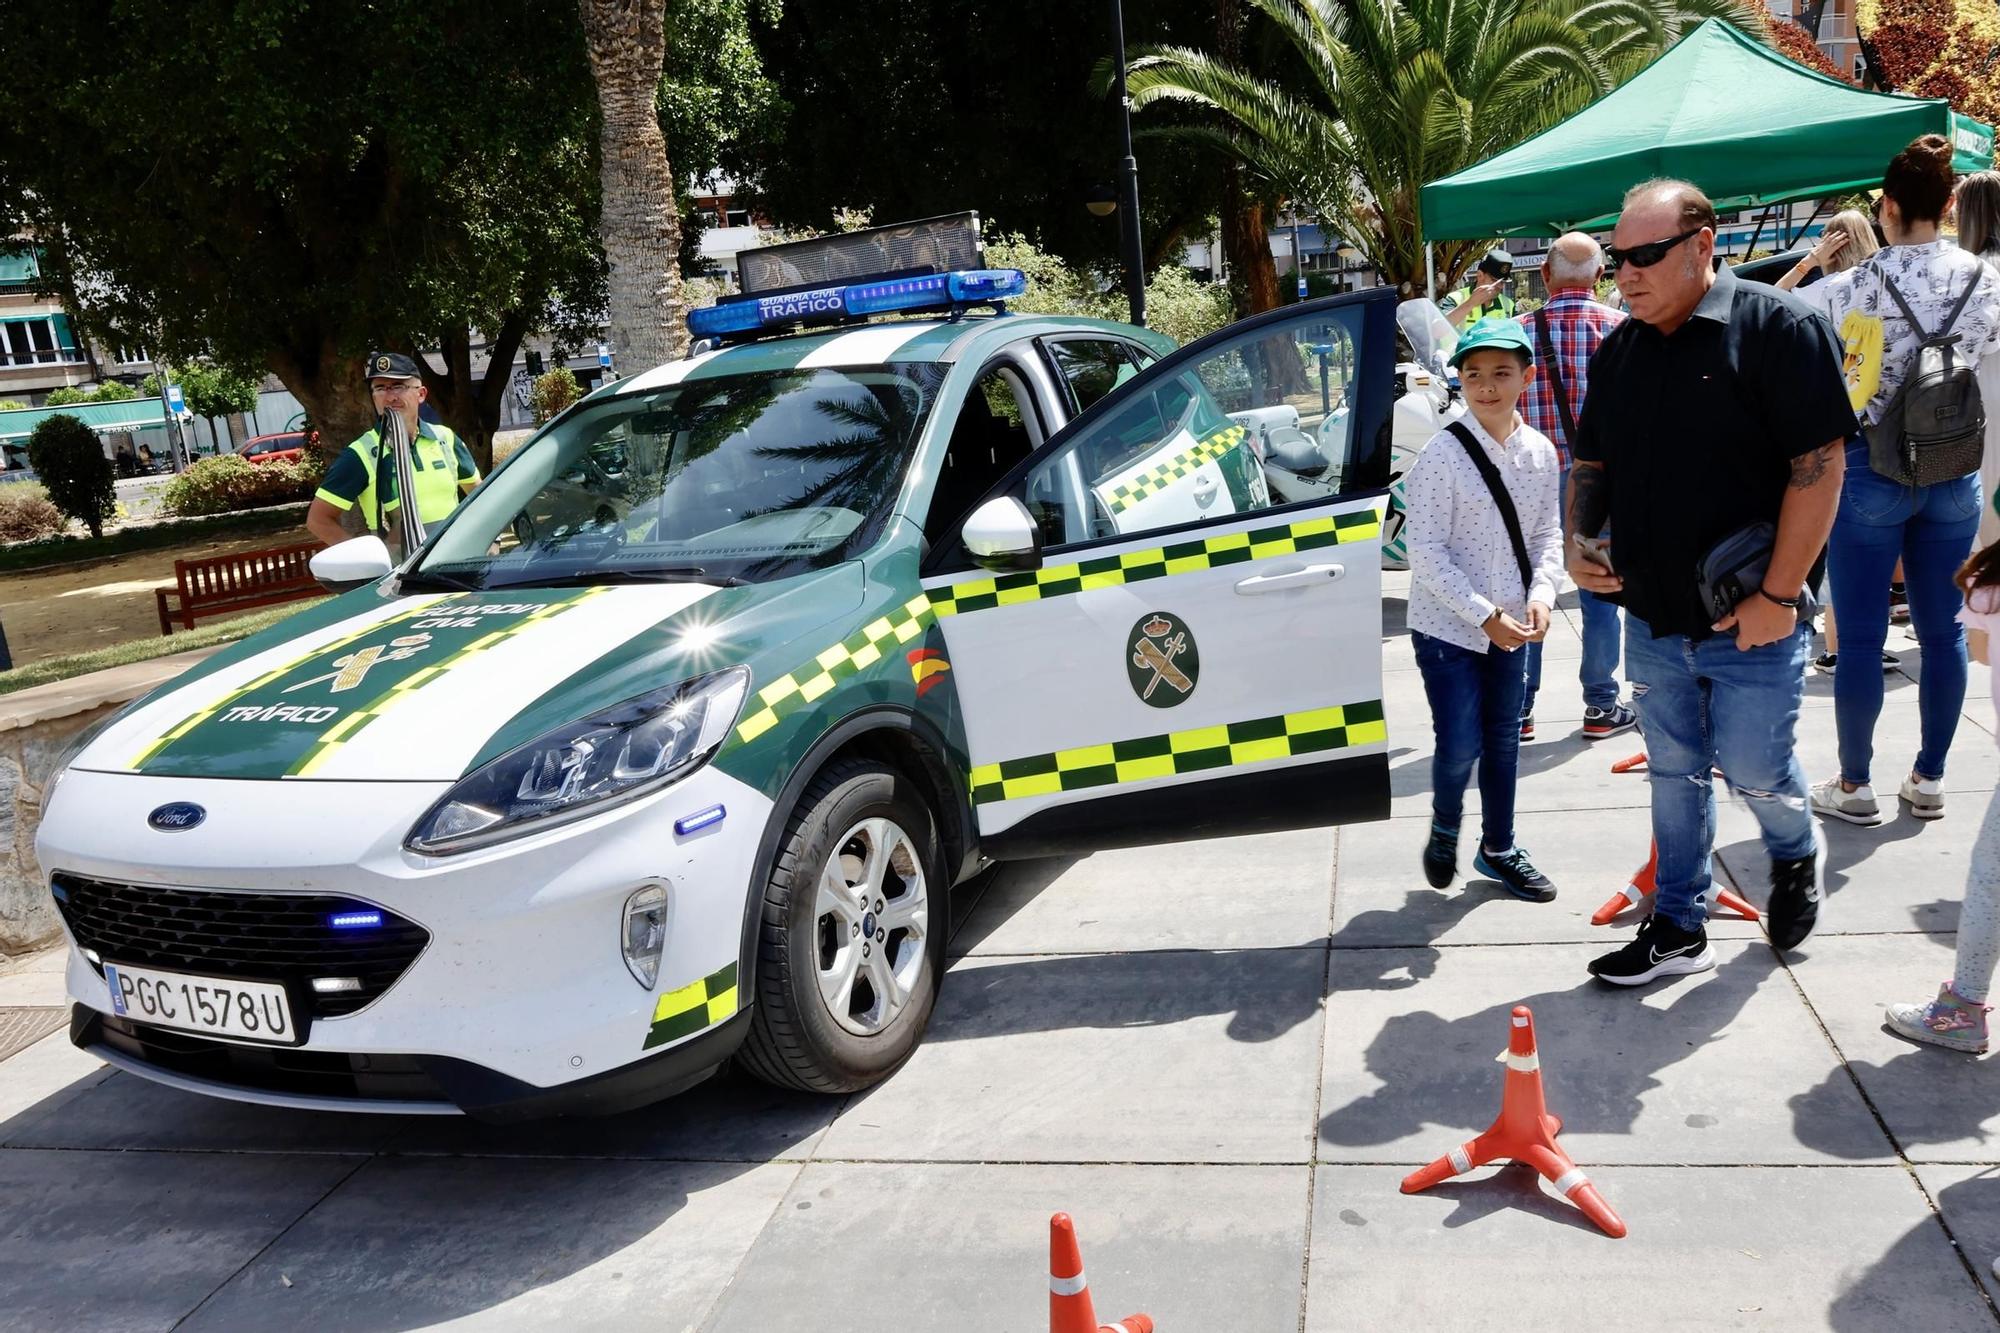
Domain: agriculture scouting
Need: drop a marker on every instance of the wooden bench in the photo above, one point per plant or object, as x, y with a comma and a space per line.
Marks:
224, 584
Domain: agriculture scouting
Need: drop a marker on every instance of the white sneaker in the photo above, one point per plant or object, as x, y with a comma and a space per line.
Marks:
1856, 807
1926, 797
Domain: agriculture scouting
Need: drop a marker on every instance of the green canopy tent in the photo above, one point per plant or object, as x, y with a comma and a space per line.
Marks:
1743, 122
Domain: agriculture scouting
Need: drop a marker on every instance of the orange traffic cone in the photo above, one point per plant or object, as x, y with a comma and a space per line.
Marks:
1070, 1310
1630, 763
1525, 1132
1643, 886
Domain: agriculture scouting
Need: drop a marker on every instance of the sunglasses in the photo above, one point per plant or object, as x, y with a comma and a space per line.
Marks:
1644, 256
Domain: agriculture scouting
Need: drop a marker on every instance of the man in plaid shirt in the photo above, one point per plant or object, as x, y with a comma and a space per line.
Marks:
1576, 323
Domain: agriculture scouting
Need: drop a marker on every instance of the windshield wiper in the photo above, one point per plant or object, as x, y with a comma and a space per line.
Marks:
651, 574
434, 581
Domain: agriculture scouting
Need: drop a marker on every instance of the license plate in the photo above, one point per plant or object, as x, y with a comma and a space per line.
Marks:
217, 1006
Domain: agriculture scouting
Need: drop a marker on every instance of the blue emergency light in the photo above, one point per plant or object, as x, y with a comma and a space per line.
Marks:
354, 920
737, 316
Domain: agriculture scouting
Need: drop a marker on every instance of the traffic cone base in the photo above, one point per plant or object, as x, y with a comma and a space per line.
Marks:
1641, 889
1524, 1132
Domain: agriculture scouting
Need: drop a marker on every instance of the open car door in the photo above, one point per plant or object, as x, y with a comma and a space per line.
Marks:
1148, 642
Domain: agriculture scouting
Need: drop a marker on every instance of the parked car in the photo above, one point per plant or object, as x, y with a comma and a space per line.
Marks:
286, 446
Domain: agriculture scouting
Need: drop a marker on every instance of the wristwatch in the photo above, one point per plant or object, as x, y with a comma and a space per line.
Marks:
1789, 603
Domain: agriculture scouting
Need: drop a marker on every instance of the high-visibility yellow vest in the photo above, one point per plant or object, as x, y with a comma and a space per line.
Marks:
434, 460
1500, 307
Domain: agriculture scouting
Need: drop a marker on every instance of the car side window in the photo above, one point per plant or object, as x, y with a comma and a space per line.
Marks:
1093, 367
1262, 421
997, 427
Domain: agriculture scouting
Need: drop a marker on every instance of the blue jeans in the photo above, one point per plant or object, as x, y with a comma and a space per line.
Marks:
1706, 705
1600, 641
1930, 528
1475, 703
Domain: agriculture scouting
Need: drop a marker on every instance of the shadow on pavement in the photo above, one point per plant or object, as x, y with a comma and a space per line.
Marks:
1875, 1299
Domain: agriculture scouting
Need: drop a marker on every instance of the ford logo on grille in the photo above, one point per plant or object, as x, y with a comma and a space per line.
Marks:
176, 816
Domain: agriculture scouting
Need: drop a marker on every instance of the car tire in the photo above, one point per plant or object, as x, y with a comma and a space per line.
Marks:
796, 1040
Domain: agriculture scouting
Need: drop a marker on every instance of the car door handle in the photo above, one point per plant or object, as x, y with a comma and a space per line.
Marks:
1291, 578
1204, 491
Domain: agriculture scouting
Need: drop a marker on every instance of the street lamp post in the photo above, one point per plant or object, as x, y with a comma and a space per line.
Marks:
1128, 178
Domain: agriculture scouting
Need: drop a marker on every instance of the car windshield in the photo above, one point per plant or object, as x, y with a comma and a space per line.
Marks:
739, 478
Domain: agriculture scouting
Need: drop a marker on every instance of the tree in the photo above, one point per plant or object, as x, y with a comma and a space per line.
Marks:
1385, 95
74, 470
1935, 48
340, 177
716, 103
1001, 117
640, 224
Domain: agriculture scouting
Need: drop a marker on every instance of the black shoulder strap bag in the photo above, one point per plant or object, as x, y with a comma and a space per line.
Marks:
1545, 348
1501, 499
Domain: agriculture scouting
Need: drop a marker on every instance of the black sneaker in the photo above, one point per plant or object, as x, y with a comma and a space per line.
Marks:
1527, 726
1441, 856
1826, 662
1516, 874
1794, 906
1661, 949
1601, 722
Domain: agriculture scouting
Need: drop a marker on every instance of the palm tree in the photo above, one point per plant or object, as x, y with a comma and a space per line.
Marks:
641, 229
1390, 94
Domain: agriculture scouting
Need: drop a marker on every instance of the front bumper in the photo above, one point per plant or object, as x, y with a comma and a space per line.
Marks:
519, 1003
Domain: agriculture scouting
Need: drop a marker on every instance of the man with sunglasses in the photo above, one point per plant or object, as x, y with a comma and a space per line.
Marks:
1719, 405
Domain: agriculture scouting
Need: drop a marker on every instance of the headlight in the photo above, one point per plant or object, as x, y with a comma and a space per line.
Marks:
620, 754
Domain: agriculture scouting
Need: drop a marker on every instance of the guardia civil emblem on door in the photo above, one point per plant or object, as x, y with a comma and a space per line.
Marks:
1161, 660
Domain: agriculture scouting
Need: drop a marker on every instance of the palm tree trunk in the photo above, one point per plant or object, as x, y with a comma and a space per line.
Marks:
641, 228
1246, 242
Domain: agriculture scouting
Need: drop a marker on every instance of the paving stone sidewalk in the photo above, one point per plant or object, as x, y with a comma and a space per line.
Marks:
1220, 1057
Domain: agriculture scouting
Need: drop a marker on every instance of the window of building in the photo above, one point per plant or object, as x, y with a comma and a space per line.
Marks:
44, 340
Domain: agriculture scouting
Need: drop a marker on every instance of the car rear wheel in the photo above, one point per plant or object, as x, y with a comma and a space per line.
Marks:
851, 942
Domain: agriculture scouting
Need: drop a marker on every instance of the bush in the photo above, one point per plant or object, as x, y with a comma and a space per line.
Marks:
1176, 304
553, 393
111, 391
228, 482
27, 514
71, 463
65, 397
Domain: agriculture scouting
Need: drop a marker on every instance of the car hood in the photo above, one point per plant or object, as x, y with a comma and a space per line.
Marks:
406, 689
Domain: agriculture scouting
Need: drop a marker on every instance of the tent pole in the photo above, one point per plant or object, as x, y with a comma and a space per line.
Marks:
1430, 270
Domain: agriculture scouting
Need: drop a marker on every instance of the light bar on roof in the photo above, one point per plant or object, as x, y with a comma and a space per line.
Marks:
932, 245
858, 300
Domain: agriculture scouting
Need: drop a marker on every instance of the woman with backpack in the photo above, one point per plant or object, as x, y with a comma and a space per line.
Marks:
1915, 320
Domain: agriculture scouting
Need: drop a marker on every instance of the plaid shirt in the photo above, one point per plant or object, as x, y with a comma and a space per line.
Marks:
1578, 322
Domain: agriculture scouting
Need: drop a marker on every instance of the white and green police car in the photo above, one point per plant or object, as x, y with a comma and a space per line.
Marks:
669, 745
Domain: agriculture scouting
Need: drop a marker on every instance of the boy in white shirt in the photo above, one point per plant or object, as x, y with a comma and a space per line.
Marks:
1481, 588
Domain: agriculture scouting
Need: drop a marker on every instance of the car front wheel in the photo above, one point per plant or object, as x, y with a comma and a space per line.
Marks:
851, 941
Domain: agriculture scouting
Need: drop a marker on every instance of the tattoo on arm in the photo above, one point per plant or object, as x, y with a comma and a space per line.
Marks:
1807, 469
1589, 499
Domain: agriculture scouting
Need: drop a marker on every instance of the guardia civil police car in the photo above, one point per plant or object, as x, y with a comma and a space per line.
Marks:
669, 745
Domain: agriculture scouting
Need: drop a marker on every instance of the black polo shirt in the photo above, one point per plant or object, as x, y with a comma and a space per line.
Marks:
1697, 430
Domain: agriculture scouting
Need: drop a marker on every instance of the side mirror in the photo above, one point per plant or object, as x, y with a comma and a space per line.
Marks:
1001, 534
354, 562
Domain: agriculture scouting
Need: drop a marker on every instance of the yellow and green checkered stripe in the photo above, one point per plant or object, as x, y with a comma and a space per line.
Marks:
183, 727
344, 730
859, 651
1194, 751
1151, 482
697, 1005
1157, 562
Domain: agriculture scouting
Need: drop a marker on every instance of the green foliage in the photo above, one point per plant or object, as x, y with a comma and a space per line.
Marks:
142, 650
1389, 94
1176, 304
552, 393
71, 463
920, 107
26, 513
213, 391
11, 405
112, 391
66, 396
66, 550
716, 105
228, 482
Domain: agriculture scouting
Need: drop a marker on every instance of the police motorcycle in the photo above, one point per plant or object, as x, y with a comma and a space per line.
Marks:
1300, 460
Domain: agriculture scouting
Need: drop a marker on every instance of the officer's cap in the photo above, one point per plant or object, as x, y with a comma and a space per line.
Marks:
1494, 335
391, 366
1497, 263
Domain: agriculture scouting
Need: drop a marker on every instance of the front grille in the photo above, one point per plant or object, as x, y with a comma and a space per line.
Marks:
282, 937
266, 1068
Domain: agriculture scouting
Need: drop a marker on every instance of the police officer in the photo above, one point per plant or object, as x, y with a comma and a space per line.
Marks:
1488, 298
364, 474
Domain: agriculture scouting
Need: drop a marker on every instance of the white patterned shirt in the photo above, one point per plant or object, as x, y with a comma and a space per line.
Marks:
1462, 563
1931, 278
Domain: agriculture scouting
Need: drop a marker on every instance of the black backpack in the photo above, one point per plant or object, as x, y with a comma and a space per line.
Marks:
1934, 428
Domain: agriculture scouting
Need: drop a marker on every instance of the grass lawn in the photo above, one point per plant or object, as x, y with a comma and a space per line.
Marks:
140, 650
287, 519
